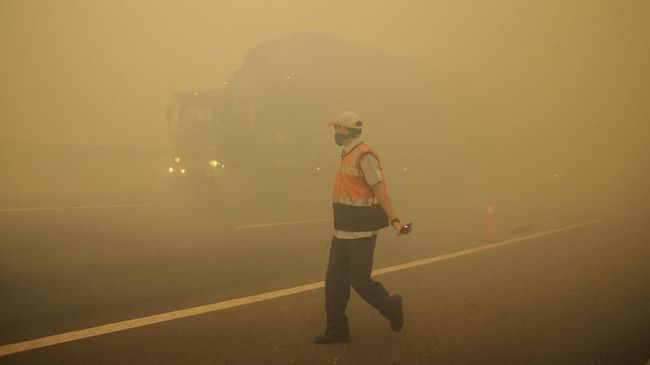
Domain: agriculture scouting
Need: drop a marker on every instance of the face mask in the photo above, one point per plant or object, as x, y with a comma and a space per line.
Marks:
339, 137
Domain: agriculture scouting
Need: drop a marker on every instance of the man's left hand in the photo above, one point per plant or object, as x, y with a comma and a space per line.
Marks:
401, 228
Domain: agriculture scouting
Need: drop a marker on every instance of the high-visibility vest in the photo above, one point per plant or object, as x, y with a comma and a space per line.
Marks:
356, 209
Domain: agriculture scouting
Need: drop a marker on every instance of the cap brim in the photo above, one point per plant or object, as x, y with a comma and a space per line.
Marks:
331, 123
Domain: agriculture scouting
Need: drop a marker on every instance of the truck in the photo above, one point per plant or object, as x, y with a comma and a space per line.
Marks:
234, 143
264, 129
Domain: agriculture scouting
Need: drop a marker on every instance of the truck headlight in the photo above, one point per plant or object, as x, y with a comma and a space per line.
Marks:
171, 170
216, 164
183, 171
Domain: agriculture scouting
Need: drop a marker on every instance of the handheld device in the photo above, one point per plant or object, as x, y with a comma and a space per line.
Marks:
406, 229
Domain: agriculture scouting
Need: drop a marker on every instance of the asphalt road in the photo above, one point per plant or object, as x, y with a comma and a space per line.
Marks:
578, 296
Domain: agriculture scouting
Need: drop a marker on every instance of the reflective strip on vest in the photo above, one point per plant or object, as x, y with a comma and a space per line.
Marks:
356, 202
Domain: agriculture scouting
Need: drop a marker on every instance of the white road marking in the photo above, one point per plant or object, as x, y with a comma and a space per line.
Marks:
281, 224
84, 207
188, 312
470, 251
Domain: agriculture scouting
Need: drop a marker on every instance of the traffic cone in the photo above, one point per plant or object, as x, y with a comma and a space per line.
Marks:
489, 227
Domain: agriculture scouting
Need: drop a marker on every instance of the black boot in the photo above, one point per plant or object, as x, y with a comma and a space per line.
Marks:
397, 315
393, 311
333, 335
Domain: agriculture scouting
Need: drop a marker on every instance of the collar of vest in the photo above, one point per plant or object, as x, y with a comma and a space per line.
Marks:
353, 148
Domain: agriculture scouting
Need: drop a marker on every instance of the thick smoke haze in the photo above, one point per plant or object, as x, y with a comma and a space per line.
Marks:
559, 85
99, 72
175, 161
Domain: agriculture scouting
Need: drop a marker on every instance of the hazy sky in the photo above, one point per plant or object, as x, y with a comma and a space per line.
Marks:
101, 72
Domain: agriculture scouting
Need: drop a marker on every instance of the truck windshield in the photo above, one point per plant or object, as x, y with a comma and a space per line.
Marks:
197, 113
199, 130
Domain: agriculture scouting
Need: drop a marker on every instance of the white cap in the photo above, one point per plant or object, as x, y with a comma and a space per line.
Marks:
348, 119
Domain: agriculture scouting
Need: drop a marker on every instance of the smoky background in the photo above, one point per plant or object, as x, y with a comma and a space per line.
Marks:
544, 104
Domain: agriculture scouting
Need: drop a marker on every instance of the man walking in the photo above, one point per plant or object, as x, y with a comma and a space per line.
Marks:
361, 207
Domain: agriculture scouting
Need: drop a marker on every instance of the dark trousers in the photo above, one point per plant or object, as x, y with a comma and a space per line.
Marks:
350, 264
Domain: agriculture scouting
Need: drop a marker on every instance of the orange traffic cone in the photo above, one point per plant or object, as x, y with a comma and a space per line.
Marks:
489, 227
